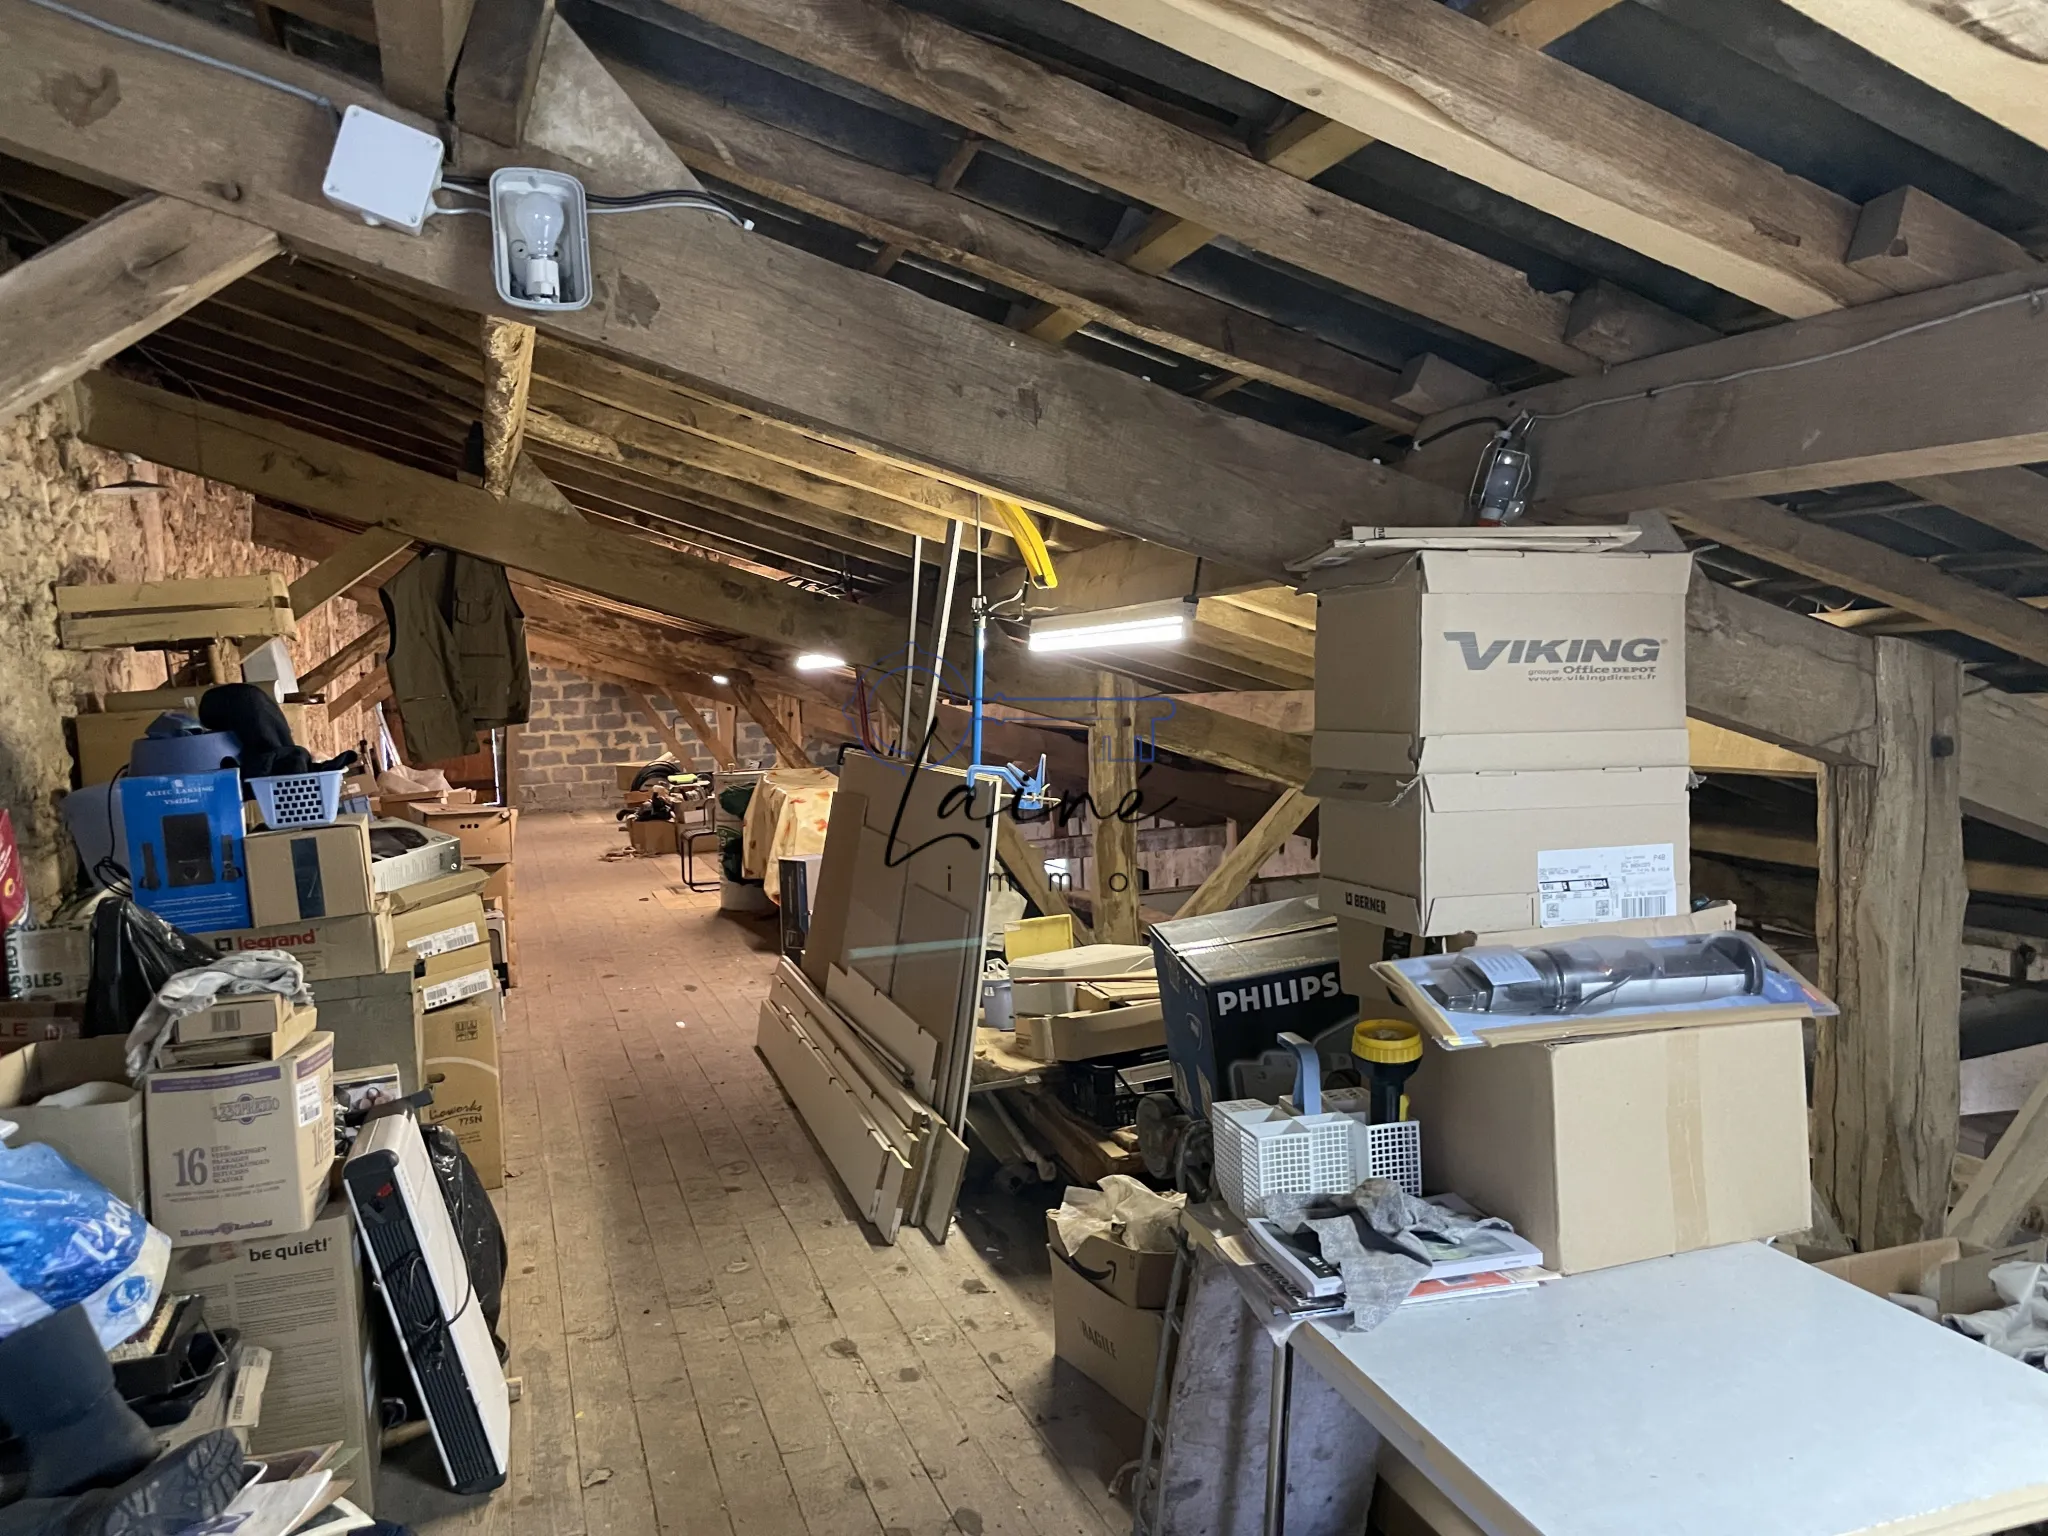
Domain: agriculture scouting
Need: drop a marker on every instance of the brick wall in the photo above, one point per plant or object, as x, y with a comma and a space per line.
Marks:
581, 730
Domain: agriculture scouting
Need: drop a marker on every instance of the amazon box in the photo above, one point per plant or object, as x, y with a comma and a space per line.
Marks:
241, 1150
1105, 1338
1624, 1147
310, 872
1502, 659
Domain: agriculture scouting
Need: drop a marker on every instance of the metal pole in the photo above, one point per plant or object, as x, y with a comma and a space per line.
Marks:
910, 647
940, 622
1276, 1439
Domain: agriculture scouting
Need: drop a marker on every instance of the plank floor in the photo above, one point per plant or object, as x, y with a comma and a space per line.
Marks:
708, 1339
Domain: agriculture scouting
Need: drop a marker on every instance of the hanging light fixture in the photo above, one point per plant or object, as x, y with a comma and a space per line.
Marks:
1161, 623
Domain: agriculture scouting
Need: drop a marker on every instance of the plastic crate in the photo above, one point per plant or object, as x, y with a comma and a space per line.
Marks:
1099, 1091
1263, 1151
299, 799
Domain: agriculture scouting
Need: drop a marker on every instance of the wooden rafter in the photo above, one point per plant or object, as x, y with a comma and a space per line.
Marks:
417, 45
363, 558
1241, 865
789, 751
73, 306
500, 63
508, 380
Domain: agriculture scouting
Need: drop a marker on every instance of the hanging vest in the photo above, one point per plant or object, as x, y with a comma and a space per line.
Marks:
458, 653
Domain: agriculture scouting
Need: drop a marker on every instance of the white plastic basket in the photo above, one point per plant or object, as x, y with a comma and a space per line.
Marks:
1263, 1151
298, 799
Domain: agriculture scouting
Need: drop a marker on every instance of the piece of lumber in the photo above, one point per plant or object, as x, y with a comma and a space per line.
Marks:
1715, 749
941, 1192
1429, 385
154, 614
1789, 408
2009, 1181
362, 559
662, 728
508, 378
907, 214
1617, 326
1241, 865
1027, 872
789, 752
1419, 76
739, 316
1887, 1078
1957, 49
494, 79
372, 687
985, 88
1536, 23
581, 113
2012, 500
690, 709
70, 307
417, 45
322, 673
1908, 241
1828, 554
1114, 800
1798, 850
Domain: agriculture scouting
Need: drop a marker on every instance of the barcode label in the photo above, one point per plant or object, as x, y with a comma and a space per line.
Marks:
442, 993
461, 936
1605, 885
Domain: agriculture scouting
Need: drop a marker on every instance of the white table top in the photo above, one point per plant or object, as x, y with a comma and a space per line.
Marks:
1729, 1392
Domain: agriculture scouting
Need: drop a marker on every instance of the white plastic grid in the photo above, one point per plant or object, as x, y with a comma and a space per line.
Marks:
299, 799
1262, 1151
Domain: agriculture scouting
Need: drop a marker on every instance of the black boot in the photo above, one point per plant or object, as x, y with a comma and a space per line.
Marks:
57, 1395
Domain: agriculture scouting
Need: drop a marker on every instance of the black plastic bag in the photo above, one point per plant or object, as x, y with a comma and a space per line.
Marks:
476, 1223
133, 953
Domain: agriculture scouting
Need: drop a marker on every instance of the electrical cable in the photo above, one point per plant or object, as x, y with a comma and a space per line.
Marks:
192, 54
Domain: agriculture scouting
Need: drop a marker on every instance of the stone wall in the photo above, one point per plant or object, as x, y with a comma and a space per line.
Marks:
581, 731
54, 529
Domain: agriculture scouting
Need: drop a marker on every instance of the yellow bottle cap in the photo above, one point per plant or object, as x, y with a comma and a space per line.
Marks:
1388, 1042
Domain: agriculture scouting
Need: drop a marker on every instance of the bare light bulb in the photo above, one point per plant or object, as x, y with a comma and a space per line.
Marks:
539, 219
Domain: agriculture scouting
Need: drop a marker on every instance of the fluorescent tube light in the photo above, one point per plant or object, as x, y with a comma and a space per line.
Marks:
1140, 624
819, 661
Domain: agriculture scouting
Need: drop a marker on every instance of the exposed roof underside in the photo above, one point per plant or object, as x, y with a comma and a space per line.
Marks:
327, 352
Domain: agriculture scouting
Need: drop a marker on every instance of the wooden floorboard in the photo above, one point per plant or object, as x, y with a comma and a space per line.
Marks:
709, 1339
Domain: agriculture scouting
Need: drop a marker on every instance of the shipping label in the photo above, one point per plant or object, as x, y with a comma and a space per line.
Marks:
1606, 885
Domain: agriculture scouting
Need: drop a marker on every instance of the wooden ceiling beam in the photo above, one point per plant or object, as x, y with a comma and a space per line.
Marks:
508, 382
1427, 80
500, 64
72, 306
418, 42
300, 469
986, 88
1965, 59
782, 331
909, 214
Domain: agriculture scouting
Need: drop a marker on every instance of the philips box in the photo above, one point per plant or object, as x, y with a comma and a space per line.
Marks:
1232, 982
186, 858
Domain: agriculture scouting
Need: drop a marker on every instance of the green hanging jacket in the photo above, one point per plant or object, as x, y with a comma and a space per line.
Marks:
457, 657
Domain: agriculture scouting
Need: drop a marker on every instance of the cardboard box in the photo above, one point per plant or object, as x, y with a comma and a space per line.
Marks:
1446, 853
651, 839
1112, 1343
1625, 1147
1095, 1032
258, 1013
104, 1140
1233, 981
310, 872
447, 887
375, 1019
23, 1023
424, 932
441, 854
499, 885
455, 975
268, 1045
1133, 1278
485, 831
53, 964
1497, 659
462, 1070
105, 738
335, 946
1954, 1275
302, 1298
240, 1150
186, 857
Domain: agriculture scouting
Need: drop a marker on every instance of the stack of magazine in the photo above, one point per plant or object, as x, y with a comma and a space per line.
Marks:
1486, 1262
